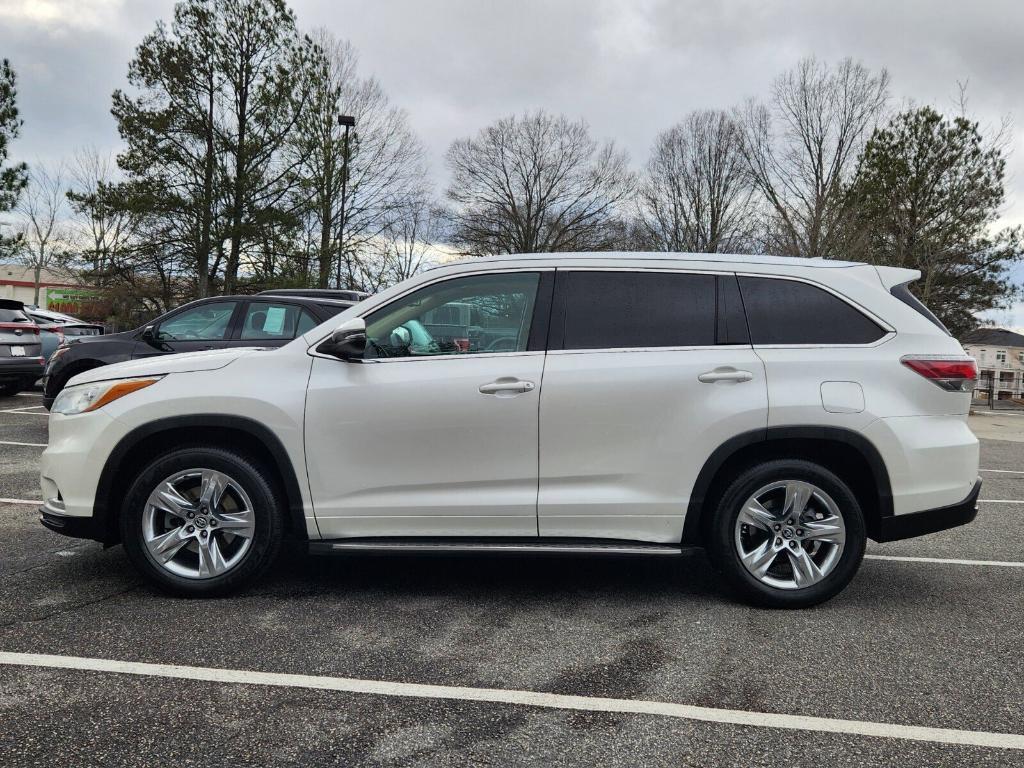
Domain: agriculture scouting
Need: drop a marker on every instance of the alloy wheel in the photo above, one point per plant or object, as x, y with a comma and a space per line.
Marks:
198, 524
790, 534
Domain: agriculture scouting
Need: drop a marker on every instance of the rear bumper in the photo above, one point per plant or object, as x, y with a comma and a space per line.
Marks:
896, 527
17, 368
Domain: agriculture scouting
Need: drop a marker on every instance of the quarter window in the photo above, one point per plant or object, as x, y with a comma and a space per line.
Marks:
790, 312
463, 316
615, 310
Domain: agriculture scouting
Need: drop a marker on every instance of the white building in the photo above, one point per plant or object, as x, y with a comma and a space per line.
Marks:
17, 281
1000, 356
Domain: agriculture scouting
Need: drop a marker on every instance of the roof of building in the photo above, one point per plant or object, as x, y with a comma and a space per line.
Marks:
996, 337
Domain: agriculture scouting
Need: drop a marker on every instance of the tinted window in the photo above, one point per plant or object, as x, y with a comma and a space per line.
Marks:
902, 292
270, 321
789, 312
206, 322
609, 310
12, 316
306, 323
466, 315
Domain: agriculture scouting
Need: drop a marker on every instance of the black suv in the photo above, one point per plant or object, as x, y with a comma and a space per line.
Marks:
218, 322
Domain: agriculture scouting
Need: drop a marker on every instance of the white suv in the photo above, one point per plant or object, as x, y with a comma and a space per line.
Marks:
776, 411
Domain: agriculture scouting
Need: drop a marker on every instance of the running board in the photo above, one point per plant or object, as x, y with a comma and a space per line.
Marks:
457, 546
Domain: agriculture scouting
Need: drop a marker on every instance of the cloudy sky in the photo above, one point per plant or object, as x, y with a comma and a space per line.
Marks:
630, 68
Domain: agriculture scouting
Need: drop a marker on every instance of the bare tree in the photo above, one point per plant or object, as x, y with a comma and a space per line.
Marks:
103, 230
385, 162
45, 239
407, 246
536, 183
696, 194
801, 149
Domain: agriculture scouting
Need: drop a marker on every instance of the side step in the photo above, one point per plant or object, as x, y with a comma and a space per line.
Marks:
468, 546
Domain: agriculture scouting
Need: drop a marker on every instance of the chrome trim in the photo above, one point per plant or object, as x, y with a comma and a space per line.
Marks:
497, 546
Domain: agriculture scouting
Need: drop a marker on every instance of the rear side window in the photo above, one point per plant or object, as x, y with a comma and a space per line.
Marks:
790, 312
613, 310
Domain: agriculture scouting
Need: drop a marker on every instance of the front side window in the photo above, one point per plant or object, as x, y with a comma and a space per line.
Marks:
463, 316
614, 310
207, 322
789, 312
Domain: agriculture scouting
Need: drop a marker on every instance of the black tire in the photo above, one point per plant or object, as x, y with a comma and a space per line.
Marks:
10, 390
721, 535
268, 512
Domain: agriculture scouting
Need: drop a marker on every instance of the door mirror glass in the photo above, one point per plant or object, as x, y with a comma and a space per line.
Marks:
348, 342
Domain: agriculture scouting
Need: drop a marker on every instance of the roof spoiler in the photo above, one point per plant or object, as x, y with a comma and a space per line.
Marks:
893, 276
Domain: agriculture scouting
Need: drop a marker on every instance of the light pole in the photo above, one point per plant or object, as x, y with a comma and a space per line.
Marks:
348, 121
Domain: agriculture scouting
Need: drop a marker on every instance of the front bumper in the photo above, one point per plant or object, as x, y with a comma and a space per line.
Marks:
58, 522
896, 527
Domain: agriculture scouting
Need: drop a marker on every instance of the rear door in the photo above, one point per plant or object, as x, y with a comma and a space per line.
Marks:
647, 373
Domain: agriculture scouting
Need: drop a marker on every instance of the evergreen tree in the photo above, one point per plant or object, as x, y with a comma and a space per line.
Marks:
926, 195
13, 178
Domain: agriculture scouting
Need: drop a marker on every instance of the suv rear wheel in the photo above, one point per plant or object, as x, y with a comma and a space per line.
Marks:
787, 534
202, 521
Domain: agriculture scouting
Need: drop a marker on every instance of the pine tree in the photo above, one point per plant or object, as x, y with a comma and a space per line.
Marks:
13, 178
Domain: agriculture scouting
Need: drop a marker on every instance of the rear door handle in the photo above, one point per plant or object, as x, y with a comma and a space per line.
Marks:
506, 386
725, 374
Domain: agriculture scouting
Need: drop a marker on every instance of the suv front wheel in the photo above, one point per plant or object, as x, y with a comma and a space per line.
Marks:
787, 534
202, 521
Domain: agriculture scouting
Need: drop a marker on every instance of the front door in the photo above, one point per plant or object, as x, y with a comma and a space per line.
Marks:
435, 432
648, 373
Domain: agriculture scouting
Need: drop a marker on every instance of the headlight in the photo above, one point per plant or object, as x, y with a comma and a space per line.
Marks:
88, 397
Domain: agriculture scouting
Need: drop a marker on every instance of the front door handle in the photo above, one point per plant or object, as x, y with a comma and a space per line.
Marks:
725, 374
506, 386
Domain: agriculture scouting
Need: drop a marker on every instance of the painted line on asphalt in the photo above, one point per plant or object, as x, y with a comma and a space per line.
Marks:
1005, 471
945, 561
24, 411
525, 698
30, 445
20, 501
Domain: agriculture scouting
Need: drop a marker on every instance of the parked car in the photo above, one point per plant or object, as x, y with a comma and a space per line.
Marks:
21, 361
55, 326
778, 412
213, 323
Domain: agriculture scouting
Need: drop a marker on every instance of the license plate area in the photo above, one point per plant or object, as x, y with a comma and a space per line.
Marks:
17, 351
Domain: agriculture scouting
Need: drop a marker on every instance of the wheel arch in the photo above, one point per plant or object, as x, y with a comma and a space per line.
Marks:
147, 441
848, 454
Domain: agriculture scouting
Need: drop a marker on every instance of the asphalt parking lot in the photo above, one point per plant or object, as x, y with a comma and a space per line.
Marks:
918, 663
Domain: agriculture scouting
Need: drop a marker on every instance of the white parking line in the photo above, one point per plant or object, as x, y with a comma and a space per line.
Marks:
30, 445
1005, 471
25, 411
525, 698
945, 561
20, 501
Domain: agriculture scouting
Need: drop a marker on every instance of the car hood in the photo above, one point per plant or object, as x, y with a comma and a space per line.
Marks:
207, 360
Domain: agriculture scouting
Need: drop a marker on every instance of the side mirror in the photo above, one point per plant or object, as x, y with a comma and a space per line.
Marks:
348, 342
149, 333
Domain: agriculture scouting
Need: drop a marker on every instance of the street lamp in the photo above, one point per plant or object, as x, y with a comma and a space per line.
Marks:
348, 121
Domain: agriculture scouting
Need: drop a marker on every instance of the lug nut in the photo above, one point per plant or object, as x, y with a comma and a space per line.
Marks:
203, 534
790, 521
778, 527
191, 515
213, 523
792, 545
799, 531
778, 542
191, 529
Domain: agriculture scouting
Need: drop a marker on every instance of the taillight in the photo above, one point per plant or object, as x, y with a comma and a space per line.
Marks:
952, 374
